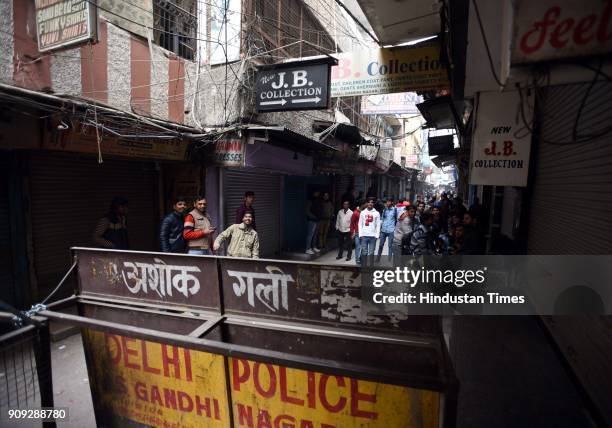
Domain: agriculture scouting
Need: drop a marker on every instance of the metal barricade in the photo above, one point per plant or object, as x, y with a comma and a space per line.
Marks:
186, 341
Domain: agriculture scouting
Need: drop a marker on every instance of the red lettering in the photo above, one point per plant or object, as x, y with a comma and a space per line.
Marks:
307, 424
170, 398
281, 421
335, 408
185, 403
140, 389
187, 365
145, 359
356, 397
156, 396
284, 394
263, 419
272, 387
323, 425
490, 151
539, 30
561, 29
580, 32
205, 407
238, 378
342, 70
174, 361
127, 352
508, 148
245, 414
312, 395
216, 409
602, 31
117, 356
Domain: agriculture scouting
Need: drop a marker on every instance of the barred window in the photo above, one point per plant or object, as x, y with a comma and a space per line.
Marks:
175, 26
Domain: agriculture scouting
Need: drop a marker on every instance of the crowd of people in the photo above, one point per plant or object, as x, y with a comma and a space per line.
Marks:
425, 227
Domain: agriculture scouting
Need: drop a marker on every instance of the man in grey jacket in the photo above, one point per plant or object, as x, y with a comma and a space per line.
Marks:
406, 224
422, 243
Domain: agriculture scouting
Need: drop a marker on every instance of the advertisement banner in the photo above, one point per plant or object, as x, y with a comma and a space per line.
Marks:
553, 29
61, 23
401, 103
155, 384
267, 395
389, 70
230, 152
501, 144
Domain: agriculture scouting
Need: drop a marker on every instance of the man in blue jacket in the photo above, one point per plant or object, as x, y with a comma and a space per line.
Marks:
171, 231
388, 220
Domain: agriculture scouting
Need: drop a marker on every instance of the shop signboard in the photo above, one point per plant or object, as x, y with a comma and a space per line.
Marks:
400, 103
548, 30
300, 85
501, 145
61, 23
230, 152
135, 16
389, 70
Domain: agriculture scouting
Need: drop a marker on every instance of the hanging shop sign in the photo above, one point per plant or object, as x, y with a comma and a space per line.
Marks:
389, 70
293, 86
135, 16
440, 145
555, 29
229, 152
400, 103
501, 144
62, 23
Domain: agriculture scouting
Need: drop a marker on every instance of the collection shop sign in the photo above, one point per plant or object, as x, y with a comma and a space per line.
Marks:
389, 70
62, 23
554, 29
501, 144
293, 86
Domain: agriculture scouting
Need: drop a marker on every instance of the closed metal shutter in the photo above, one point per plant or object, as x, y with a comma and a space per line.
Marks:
571, 206
7, 287
342, 183
70, 193
360, 185
267, 189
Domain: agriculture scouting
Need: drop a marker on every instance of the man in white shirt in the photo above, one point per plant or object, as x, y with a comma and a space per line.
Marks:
369, 229
343, 226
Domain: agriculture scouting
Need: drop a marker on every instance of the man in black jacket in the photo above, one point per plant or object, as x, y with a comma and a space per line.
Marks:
171, 231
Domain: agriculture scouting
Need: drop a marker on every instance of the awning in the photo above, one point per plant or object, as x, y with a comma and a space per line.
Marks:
287, 138
342, 131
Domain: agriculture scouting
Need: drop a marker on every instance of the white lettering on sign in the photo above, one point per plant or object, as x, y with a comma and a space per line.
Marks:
160, 277
273, 294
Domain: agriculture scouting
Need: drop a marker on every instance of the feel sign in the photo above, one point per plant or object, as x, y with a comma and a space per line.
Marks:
296, 86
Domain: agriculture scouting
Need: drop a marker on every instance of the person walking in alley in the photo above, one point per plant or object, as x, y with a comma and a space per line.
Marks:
405, 227
388, 221
243, 239
355, 232
313, 213
247, 205
197, 228
420, 209
111, 230
472, 238
343, 226
327, 212
422, 241
369, 229
171, 231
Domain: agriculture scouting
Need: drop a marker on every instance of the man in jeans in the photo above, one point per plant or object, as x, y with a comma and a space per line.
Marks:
369, 229
313, 213
355, 233
388, 221
343, 226
197, 229
327, 212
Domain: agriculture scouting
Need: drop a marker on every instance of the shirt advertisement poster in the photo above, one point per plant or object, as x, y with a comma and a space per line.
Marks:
501, 144
63, 23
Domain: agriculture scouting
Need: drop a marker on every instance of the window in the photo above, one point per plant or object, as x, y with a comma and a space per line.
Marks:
175, 26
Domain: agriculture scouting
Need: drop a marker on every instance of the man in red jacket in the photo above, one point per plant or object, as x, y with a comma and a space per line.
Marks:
355, 233
198, 230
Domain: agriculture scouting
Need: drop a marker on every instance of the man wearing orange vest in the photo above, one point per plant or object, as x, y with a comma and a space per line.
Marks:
198, 230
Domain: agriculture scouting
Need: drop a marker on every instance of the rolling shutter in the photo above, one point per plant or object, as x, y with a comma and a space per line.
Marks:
267, 205
571, 206
70, 193
7, 286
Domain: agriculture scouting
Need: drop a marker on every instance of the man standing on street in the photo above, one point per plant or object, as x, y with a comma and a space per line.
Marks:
197, 229
388, 222
313, 213
111, 231
343, 226
243, 239
249, 198
327, 211
369, 229
171, 232
422, 242
355, 232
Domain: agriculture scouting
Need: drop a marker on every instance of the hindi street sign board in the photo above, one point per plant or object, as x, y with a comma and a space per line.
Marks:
300, 85
61, 23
